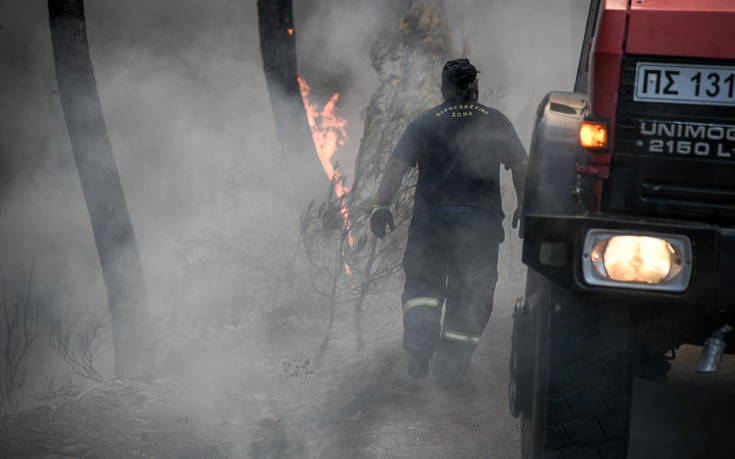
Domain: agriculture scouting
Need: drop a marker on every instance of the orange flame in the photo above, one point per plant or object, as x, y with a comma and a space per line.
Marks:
329, 131
290, 32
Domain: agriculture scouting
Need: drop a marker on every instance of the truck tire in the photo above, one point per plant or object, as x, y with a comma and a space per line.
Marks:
579, 406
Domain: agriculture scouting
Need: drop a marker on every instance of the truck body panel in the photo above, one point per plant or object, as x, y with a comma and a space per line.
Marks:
682, 28
651, 174
629, 220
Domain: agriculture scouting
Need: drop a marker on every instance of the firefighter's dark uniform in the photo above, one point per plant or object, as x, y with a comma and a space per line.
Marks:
452, 250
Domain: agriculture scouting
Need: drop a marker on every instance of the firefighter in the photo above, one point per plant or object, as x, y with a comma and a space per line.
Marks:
452, 250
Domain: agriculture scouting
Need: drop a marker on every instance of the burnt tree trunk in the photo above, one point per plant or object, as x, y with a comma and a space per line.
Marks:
103, 193
278, 48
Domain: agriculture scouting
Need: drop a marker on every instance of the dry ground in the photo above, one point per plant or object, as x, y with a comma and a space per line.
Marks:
236, 395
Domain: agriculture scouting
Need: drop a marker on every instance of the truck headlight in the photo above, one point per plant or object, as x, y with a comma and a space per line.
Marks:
630, 259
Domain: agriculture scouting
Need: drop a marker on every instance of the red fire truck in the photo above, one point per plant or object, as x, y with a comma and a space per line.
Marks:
629, 222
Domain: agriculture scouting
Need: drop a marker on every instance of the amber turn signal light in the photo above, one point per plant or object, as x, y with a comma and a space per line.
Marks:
593, 134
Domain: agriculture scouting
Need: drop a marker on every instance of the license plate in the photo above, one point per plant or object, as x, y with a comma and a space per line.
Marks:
685, 84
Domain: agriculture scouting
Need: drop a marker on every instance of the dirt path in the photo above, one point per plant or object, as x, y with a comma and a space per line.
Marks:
376, 410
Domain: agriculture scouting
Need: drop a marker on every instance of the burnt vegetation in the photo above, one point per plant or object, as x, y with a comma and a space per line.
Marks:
76, 338
19, 325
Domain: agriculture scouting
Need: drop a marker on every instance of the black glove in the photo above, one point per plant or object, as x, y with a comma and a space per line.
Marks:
518, 218
379, 218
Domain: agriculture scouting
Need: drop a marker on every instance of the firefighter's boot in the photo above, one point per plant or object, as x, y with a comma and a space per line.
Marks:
452, 363
421, 316
418, 366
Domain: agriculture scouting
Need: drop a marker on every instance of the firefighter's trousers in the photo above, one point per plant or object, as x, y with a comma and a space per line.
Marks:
451, 257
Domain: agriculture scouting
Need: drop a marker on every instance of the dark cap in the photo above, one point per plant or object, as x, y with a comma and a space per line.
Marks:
459, 72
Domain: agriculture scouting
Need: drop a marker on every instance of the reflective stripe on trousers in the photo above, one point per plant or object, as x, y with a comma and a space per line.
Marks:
461, 337
420, 301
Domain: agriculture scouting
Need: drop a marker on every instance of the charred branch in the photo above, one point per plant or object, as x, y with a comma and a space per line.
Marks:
79, 342
324, 236
19, 324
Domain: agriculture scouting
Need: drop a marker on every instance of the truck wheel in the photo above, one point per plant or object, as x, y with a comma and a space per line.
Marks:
580, 403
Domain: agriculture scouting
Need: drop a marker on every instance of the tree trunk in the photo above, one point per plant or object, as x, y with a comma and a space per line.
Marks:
278, 48
111, 224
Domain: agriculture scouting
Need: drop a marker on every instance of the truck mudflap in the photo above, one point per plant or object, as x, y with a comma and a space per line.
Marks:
553, 246
523, 347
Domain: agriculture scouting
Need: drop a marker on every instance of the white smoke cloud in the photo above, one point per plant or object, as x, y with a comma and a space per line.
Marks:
189, 119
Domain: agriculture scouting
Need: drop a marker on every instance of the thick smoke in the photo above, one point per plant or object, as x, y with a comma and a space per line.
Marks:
187, 112
189, 118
